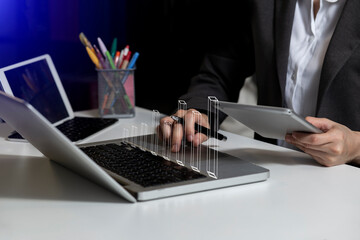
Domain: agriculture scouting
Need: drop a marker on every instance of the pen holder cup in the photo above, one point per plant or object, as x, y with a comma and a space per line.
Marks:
116, 92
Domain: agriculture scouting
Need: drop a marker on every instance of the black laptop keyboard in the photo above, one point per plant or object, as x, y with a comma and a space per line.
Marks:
79, 128
139, 166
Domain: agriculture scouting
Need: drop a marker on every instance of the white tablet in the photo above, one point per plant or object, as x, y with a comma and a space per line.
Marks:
270, 122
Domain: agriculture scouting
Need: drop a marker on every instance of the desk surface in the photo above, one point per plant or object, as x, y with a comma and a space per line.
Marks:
301, 200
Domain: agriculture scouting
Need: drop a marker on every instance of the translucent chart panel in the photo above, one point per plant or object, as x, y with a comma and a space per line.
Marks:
180, 155
143, 136
195, 152
155, 137
126, 134
212, 157
134, 135
166, 144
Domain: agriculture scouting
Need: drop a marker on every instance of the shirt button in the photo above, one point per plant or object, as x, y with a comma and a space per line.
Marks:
293, 76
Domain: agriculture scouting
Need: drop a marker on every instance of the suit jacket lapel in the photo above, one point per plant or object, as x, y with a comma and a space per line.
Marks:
284, 16
344, 41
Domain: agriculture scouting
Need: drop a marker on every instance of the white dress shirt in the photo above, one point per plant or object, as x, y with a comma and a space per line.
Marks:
310, 38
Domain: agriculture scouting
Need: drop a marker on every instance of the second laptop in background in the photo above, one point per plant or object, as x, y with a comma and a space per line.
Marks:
37, 82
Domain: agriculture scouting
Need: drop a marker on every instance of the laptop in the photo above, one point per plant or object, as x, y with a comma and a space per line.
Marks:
37, 82
128, 168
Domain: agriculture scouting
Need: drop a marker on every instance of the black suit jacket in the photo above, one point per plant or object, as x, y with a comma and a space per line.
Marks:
263, 49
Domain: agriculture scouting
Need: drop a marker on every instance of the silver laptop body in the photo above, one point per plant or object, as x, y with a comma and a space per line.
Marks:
53, 144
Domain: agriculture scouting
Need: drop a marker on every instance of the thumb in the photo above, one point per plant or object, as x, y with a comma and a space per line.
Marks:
322, 123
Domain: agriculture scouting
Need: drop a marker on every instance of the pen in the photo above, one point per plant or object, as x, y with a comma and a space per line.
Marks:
113, 47
107, 54
100, 57
133, 60
98, 53
102, 47
116, 59
126, 50
84, 40
208, 132
120, 59
125, 63
130, 66
106, 96
93, 58
125, 53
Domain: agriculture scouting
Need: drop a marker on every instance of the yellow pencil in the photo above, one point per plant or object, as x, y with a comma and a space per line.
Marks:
84, 40
93, 58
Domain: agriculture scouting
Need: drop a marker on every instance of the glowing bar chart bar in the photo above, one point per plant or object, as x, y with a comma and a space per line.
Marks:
212, 158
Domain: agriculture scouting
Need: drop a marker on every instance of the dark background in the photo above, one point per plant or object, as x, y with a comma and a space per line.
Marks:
171, 36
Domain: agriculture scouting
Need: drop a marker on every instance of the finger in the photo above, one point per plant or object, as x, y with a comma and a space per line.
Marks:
190, 125
316, 155
312, 152
199, 138
202, 120
332, 148
166, 127
177, 135
324, 158
197, 120
180, 113
312, 138
322, 123
159, 132
321, 161
299, 141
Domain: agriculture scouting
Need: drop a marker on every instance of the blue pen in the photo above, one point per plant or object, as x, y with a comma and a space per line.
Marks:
133, 60
130, 66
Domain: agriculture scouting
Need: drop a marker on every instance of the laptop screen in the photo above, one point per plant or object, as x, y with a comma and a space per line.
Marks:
35, 84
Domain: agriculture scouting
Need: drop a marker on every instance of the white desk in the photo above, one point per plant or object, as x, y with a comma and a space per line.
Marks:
301, 200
